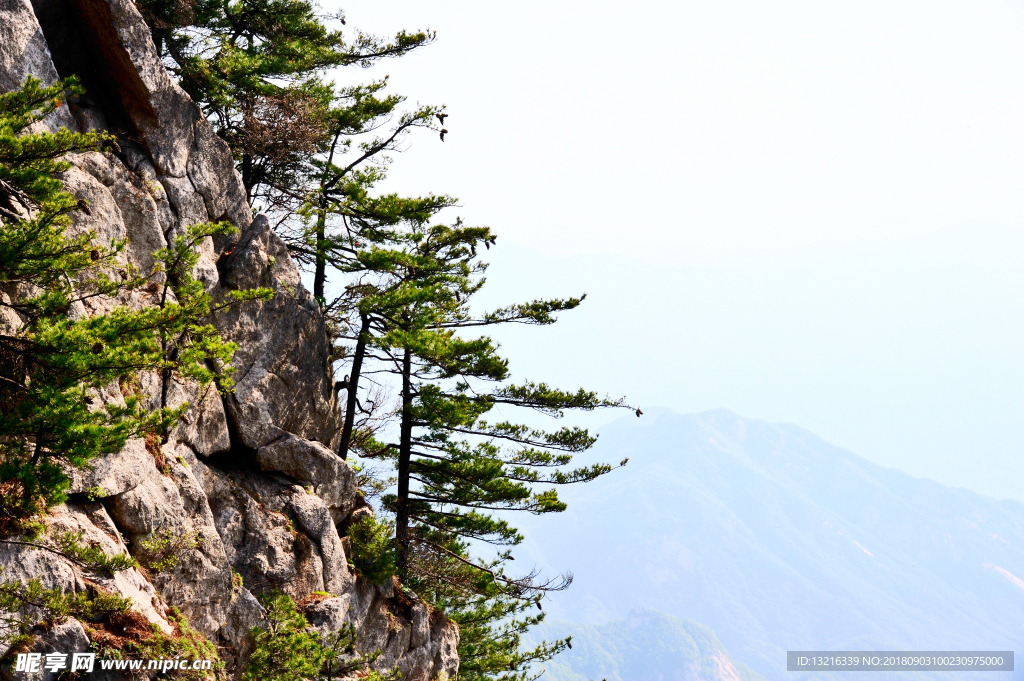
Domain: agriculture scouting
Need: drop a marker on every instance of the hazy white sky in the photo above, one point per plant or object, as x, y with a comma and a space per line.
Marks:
802, 211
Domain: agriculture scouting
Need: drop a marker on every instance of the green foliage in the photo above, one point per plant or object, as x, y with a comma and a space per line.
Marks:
465, 467
23, 605
256, 68
185, 643
162, 550
492, 622
309, 151
92, 557
48, 362
33, 530
54, 360
491, 631
70, 545
455, 469
373, 550
95, 493
289, 649
190, 346
28, 162
116, 631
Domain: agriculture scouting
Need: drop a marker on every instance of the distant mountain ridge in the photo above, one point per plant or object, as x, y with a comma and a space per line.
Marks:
778, 540
645, 646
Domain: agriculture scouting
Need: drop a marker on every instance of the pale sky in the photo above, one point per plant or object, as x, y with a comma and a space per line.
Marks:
801, 211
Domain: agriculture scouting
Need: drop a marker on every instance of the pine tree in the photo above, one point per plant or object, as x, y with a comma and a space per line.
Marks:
288, 648
465, 467
455, 470
55, 360
343, 215
490, 639
256, 68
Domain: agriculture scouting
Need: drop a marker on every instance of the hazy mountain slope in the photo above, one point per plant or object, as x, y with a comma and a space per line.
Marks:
646, 646
778, 540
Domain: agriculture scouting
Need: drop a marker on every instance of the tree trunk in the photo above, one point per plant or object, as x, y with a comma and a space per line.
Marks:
320, 266
353, 383
165, 389
29, 488
404, 457
247, 177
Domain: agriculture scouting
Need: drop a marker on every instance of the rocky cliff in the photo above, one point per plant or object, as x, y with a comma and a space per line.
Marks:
252, 476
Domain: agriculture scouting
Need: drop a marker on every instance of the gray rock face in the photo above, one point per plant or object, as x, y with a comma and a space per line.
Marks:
277, 535
65, 638
204, 426
247, 491
245, 613
98, 529
24, 563
410, 635
104, 218
25, 51
115, 473
282, 379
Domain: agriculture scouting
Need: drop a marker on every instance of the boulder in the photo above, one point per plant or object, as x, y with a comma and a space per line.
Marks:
25, 52
204, 425
313, 464
262, 541
154, 504
315, 521
104, 218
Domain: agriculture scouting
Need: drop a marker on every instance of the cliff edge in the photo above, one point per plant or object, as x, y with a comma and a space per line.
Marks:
251, 476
